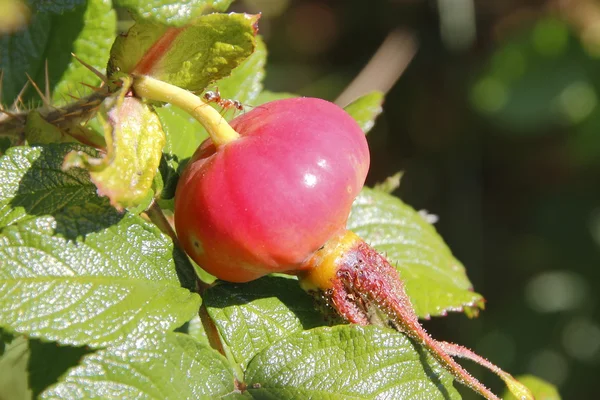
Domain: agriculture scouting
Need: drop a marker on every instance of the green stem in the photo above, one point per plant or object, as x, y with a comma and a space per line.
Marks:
219, 130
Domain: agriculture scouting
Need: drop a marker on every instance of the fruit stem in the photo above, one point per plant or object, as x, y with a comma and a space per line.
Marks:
360, 285
153, 89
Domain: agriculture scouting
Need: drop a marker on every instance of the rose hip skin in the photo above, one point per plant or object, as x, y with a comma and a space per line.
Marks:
267, 201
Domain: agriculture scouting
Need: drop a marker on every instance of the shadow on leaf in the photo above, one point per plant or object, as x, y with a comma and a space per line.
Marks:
278, 291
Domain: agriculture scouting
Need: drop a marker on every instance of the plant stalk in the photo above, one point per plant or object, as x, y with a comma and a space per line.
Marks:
219, 130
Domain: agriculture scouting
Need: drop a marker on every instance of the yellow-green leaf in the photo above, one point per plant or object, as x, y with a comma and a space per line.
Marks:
189, 57
134, 139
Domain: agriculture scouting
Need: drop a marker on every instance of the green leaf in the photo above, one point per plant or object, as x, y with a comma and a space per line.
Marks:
436, 282
190, 57
172, 12
67, 278
184, 133
134, 139
87, 30
252, 316
365, 109
540, 389
32, 182
13, 371
245, 82
171, 366
390, 184
347, 362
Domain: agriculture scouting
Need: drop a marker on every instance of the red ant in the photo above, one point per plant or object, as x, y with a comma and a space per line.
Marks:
215, 97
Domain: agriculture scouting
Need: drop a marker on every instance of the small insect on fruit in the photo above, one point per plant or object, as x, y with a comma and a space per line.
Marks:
226, 104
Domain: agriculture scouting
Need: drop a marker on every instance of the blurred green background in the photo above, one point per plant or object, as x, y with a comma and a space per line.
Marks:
496, 125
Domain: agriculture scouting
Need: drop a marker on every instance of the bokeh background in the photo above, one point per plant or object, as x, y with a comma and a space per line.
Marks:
495, 123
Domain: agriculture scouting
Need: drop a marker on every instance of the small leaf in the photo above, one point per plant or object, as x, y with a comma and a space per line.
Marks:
540, 389
13, 371
365, 109
171, 366
252, 316
349, 362
390, 184
171, 12
134, 139
67, 278
190, 57
87, 30
436, 282
32, 183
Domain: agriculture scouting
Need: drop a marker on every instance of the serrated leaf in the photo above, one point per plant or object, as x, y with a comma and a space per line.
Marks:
90, 275
365, 109
252, 316
171, 366
55, 6
87, 30
436, 282
32, 182
172, 12
135, 140
349, 362
190, 57
540, 389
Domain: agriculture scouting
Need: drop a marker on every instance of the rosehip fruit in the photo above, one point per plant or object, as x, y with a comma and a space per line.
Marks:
267, 201
274, 194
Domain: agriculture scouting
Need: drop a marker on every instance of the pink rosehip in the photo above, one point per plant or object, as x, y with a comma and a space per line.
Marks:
267, 201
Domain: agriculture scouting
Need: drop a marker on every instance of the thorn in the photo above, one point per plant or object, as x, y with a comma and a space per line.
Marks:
3, 111
37, 89
72, 114
73, 97
18, 100
94, 88
94, 70
47, 77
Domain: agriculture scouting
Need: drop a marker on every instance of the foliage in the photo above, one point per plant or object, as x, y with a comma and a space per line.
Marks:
88, 274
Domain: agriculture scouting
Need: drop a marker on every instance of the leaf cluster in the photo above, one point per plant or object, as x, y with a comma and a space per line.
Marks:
97, 301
